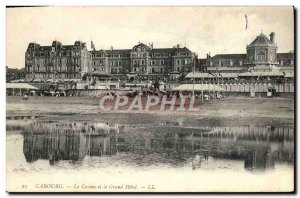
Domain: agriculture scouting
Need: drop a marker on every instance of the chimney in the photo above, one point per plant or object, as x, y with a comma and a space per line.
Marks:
178, 46
272, 37
111, 48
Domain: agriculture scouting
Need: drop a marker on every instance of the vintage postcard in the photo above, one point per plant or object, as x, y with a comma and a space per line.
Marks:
150, 99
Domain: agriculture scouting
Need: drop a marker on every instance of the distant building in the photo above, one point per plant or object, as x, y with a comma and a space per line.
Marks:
286, 59
57, 61
261, 56
14, 74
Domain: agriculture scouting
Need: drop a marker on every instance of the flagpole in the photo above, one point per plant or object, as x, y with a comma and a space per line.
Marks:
194, 75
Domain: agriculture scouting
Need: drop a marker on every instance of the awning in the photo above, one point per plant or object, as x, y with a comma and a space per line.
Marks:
198, 87
272, 73
231, 68
214, 75
19, 86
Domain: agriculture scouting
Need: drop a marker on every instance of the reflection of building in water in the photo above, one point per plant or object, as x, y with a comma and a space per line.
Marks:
258, 147
259, 158
68, 141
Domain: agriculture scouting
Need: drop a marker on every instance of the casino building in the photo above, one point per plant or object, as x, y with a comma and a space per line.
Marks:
261, 56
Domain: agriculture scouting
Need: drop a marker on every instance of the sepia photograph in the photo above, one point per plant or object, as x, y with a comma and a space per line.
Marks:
150, 99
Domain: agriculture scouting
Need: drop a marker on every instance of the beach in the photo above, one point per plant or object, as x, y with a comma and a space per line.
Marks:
226, 111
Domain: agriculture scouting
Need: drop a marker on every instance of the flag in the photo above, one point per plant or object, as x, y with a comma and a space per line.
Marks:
246, 18
92, 46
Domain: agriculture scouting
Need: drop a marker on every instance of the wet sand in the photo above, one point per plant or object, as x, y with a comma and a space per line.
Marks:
226, 111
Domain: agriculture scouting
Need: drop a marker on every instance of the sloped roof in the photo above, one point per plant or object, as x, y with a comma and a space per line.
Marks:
226, 68
118, 51
19, 86
198, 87
256, 73
183, 50
46, 48
230, 56
163, 50
67, 47
99, 51
142, 45
261, 39
207, 75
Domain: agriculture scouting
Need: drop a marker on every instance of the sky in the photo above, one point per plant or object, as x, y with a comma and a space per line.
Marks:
214, 30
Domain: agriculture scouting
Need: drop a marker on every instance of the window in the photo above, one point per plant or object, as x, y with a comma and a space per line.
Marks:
261, 56
142, 62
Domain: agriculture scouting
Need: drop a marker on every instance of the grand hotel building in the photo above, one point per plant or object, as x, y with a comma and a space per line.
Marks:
74, 61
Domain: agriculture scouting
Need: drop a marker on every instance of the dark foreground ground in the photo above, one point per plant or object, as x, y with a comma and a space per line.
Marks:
227, 111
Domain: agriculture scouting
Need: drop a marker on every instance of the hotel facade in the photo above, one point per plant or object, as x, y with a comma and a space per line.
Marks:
57, 61
74, 61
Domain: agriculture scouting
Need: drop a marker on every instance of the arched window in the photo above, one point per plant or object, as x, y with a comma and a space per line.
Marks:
261, 56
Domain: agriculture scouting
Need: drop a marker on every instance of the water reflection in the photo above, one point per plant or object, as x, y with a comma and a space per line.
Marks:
260, 148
